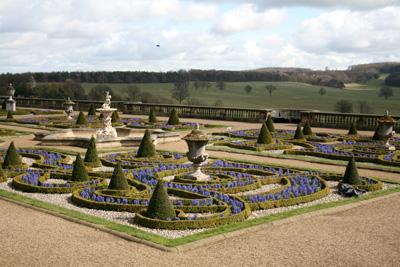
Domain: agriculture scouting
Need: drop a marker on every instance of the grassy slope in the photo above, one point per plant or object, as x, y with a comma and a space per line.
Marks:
288, 95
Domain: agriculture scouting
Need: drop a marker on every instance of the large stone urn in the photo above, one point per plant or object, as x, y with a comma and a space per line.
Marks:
69, 108
197, 141
384, 131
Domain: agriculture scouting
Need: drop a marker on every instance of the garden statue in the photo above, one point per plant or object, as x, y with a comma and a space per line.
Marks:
107, 132
69, 108
197, 141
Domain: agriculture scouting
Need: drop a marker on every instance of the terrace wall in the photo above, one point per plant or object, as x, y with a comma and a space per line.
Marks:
316, 118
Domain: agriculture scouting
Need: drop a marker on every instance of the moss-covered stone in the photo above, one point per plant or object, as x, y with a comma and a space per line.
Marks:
152, 116
146, 148
270, 124
351, 174
10, 115
114, 117
307, 129
92, 110
81, 120
264, 137
159, 206
11, 158
173, 118
79, 172
299, 133
118, 180
353, 129
91, 152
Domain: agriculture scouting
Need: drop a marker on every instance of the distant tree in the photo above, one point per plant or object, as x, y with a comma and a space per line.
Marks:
133, 92
197, 84
99, 91
270, 88
386, 92
220, 85
248, 88
322, 91
364, 107
207, 85
344, 106
180, 91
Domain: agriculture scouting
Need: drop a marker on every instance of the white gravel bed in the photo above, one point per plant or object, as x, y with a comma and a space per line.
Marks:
63, 200
262, 189
28, 161
56, 181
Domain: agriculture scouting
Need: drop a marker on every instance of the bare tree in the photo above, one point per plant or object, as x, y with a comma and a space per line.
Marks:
180, 91
270, 88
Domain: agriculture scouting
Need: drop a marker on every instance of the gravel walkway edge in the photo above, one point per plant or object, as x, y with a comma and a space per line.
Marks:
208, 240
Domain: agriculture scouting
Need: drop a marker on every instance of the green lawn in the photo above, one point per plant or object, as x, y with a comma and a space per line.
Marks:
288, 95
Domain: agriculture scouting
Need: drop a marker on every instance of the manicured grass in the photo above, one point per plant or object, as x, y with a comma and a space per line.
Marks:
195, 237
288, 95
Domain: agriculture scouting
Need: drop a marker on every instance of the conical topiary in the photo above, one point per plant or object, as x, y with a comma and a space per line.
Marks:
114, 117
173, 118
91, 152
11, 158
81, 120
307, 129
10, 115
79, 172
299, 133
92, 110
159, 206
264, 137
353, 129
270, 124
146, 148
152, 116
351, 174
118, 180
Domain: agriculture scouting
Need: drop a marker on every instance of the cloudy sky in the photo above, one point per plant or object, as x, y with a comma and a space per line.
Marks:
52, 35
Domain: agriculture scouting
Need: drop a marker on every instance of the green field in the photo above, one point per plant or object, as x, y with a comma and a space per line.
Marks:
288, 95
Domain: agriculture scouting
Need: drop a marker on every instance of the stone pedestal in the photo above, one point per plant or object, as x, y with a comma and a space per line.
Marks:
11, 105
385, 128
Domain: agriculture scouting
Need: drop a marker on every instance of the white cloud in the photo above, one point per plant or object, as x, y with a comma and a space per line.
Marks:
246, 17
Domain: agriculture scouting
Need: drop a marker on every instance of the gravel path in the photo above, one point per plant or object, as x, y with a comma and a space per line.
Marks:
364, 236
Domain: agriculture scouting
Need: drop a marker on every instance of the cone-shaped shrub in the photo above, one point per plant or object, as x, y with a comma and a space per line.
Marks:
173, 118
114, 117
10, 115
298, 134
353, 129
146, 148
351, 174
118, 180
307, 129
12, 158
264, 137
270, 124
152, 116
81, 120
91, 152
92, 110
159, 206
79, 172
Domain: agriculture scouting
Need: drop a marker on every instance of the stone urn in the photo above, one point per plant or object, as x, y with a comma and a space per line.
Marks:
197, 141
384, 131
11, 104
69, 108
